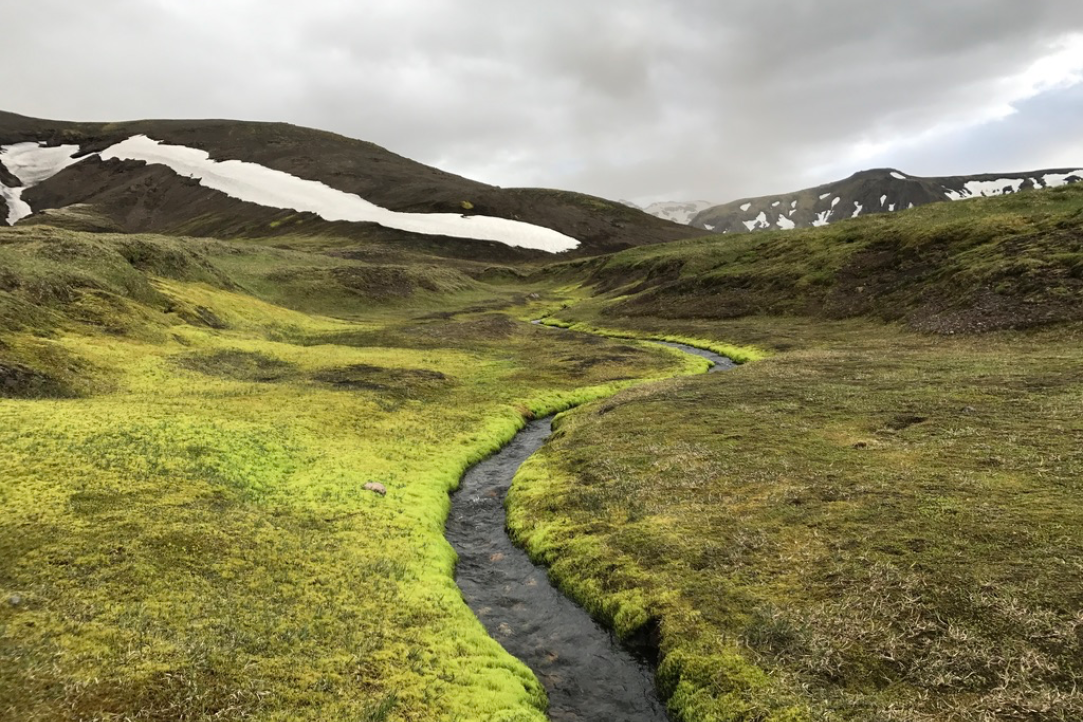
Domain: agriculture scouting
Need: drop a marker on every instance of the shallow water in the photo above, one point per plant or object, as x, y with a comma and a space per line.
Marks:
589, 675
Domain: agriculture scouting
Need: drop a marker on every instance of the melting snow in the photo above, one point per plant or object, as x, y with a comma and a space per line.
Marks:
824, 195
896, 174
759, 221
883, 199
822, 218
996, 187
891, 208
1053, 180
31, 163
857, 209
793, 204
709, 227
835, 201
775, 204
267, 187
745, 206
785, 223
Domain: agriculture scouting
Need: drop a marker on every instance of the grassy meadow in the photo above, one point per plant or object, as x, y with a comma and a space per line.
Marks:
871, 521
184, 442
878, 517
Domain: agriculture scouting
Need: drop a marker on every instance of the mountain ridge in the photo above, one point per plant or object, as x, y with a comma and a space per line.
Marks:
140, 197
876, 190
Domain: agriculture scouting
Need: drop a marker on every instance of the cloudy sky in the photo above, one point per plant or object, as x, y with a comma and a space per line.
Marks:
638, 99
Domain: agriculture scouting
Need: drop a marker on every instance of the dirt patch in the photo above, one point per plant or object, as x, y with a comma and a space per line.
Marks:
238, 366
22, 382
364, 377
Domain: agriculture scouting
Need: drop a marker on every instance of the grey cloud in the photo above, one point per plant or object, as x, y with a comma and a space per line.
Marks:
643, 99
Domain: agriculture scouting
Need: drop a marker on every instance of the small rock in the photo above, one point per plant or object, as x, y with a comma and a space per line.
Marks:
15, 600
969, 409
861, 445
378, 488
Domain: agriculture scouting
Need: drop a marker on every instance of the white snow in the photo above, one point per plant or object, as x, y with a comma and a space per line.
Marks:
891, 207
785, 223
759, 221
896, 174
822, 218
776, 204
824, 195
275, 189
835, 201
793, 204
910, 206
31, 163
883, 199
1053, 180
857, 209
996, 187
709, 227
745, 206
677, 211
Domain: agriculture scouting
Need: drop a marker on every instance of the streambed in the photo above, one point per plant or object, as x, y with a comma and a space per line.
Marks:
589, 675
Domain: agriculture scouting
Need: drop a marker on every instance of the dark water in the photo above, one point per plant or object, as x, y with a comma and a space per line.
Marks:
588, 674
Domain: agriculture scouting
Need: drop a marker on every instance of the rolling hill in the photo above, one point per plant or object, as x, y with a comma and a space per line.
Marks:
881, 190
232, 179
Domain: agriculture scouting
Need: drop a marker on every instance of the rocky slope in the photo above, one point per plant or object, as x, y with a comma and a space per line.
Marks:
881, 190
98, 192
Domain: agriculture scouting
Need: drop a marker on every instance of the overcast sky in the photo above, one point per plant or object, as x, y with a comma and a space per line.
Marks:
637, 99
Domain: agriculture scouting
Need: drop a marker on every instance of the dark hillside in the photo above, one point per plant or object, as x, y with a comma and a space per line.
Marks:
979, 265
139, 199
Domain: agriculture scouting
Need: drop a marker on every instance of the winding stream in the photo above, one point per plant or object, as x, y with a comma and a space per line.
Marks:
589, 675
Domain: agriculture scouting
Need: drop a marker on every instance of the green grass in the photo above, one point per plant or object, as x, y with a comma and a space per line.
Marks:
868, 524
863, 523
980, 265
183, 528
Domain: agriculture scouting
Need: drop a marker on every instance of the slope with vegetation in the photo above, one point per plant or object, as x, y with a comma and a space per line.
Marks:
187, 427
881, 190
878, 521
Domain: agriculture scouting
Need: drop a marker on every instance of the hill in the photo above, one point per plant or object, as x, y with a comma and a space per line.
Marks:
298, 181
989, 263
882, 190
878, 519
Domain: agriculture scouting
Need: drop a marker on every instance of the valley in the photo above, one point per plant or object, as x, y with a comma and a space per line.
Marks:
229, 432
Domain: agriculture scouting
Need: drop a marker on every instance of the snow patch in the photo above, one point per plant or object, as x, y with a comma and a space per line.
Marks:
793, 205
822, 218
824, 195
745, 206
891, 208
759, 221
275, 189
1052, 180
835, 201
776, 204
857, 209
883, 199
785, 223
677, 211
709, 227
1000, 186
31, 163
898, 175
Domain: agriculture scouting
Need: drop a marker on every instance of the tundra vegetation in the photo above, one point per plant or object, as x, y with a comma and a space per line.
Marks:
878, 517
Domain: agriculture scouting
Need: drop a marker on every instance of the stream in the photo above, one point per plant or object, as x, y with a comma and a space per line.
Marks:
588, 674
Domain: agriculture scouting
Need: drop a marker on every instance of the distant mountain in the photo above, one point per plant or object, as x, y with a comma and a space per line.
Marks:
676, 211
228, 179
881, 190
